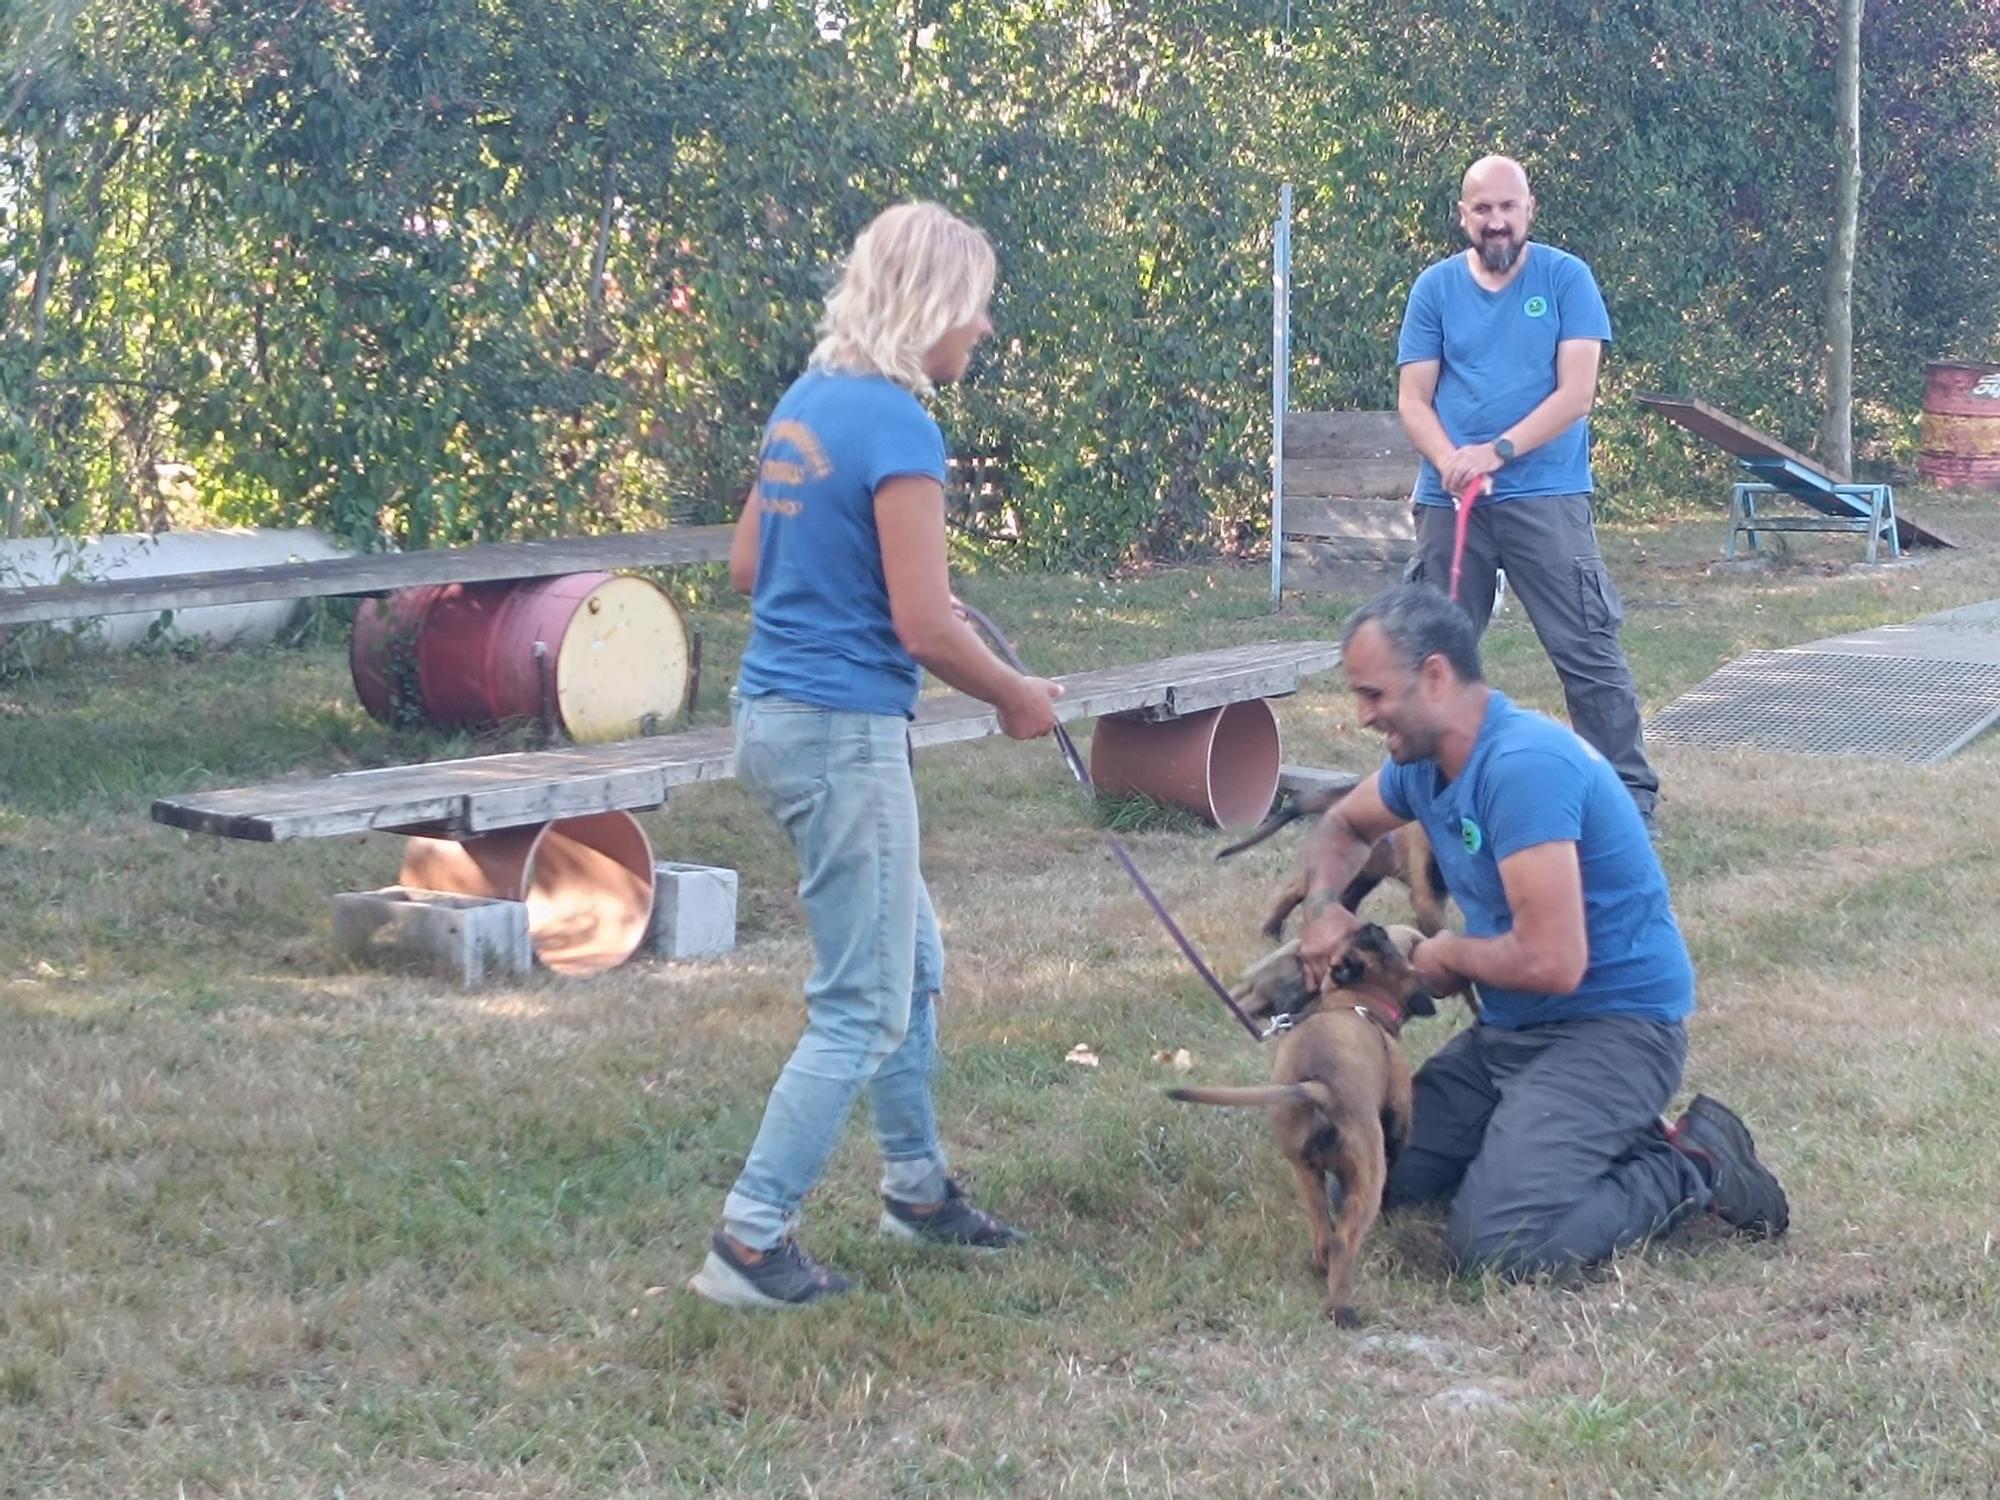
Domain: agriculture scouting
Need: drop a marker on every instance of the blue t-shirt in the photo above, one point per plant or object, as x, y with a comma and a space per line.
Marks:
1531, 781
820, 630
1497, 362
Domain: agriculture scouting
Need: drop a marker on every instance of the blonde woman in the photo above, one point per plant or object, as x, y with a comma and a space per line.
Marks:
841, 547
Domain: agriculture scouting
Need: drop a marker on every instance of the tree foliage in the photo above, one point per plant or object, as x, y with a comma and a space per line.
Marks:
434, 271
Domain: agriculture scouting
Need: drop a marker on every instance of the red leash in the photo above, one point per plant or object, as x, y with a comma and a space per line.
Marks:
1466, 500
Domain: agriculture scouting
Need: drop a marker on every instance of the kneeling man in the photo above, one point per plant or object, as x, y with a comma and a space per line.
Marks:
1542, 1124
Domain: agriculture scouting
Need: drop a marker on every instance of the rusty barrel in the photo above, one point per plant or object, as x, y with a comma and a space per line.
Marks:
601, 654
1220, 764
382, 653
1960, 448
588, 883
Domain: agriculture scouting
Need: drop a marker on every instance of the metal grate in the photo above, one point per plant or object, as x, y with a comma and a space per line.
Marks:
1832, 703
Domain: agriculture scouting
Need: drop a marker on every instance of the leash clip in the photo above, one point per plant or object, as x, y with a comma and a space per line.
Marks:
1278, 1026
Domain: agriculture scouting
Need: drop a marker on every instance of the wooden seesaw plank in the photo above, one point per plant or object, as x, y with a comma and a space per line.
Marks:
483, 793
365, 573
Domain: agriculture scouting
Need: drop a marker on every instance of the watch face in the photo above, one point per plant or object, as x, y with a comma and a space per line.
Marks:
1504, 448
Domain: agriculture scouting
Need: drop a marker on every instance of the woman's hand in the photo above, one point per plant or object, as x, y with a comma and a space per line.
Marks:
1030, 712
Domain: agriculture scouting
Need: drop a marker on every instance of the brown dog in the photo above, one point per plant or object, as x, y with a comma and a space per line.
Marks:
1404, 855
1339, 1094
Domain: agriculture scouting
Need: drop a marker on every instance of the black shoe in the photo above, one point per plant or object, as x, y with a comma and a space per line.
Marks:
1745, 1194
953, 1222
784, 1276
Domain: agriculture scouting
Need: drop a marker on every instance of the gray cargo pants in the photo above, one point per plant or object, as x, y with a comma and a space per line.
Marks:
1549, 549
1548, 1143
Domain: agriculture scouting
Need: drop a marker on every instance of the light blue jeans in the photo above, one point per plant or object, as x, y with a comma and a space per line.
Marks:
839, 784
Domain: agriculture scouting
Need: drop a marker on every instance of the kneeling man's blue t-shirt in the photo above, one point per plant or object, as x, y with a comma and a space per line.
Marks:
1531, 781
820, 628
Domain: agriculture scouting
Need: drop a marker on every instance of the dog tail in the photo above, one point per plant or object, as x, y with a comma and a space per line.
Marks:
1265, 1095
1309, 805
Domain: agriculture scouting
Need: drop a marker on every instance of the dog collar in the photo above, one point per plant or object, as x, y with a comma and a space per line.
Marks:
1385, 1015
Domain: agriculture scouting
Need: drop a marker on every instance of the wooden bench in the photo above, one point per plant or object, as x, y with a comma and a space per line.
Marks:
366, 573
1341, 496
466, 798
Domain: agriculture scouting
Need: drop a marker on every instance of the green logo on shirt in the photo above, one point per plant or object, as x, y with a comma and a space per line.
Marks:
1534, 307
1469, 831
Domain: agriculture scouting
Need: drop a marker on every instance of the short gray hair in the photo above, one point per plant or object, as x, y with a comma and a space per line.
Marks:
1418, 622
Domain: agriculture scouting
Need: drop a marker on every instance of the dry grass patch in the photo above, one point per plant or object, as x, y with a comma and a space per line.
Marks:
267, 1226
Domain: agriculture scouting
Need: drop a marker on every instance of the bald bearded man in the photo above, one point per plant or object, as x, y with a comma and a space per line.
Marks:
1498, 370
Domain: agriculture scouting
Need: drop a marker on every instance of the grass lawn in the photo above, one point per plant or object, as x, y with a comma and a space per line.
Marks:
272, 1227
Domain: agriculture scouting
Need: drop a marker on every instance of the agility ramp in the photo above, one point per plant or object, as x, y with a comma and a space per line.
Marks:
1918, 692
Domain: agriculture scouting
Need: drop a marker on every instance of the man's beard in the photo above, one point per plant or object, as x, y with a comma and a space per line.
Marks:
1413, 745
1499, 252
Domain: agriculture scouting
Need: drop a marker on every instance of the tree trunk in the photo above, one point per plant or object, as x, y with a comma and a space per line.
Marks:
1837, 436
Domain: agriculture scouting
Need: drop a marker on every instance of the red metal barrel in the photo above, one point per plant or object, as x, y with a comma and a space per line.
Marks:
382, 654
456, 652
604, 654
1961, 434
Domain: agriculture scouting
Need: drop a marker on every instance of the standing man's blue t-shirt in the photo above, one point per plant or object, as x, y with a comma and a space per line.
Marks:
821, 631
1497, 358
1531, 781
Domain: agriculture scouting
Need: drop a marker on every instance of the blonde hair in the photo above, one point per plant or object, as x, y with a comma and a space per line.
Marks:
917, 272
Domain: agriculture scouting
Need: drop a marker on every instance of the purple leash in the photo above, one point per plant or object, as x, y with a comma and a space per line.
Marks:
1118, 850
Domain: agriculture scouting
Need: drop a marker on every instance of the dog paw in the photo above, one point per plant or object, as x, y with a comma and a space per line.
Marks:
1344, 1317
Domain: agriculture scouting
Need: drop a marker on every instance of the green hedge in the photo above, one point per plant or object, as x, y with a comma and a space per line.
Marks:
431, 273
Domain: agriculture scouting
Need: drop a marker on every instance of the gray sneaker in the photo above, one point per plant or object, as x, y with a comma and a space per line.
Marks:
1746, 1193
784, 1276
953, 1222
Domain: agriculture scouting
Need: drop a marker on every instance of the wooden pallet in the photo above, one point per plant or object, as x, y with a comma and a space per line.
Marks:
1346, 481
465, 797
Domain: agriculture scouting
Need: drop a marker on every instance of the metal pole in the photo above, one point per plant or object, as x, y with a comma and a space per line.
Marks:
1281, 382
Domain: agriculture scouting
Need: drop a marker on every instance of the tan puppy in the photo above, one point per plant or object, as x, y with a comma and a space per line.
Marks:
1339, 1094
1404, 855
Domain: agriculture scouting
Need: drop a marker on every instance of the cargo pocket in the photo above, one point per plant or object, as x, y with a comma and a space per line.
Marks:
1598, 604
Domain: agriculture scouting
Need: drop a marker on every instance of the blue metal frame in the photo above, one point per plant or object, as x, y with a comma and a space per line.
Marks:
1867, 509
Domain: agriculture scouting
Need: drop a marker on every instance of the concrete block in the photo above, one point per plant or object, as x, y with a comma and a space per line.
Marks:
1300, 781
466, 939
694, 910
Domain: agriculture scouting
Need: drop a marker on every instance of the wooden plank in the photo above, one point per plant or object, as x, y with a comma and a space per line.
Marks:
367, 573
1342, 435
482, 793
1726, 432
1374, 520
1356, 453
1363, 478
1330, 567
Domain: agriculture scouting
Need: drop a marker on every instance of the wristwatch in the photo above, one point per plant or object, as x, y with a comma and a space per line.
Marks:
1505, 448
